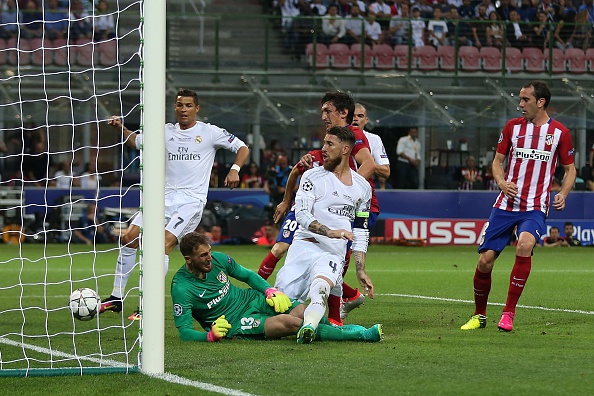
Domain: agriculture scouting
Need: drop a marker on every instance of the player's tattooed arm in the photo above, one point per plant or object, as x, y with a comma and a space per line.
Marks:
362, 276
359, 260
319, 228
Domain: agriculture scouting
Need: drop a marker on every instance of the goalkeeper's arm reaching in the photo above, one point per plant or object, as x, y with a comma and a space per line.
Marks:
275, 298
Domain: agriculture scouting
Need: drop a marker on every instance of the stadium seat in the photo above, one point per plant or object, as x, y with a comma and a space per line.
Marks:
469, 58
558, 61
491, 59
590, 59
534, 60
61, 51
340, 55
575, 59
383, 55
42, 53
446, 57
513, 60
3, 52
84, 52
356, 56
22, 55
322, 56
401, 56
108, 52
426, 56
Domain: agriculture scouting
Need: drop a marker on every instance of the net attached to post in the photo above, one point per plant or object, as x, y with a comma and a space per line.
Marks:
68, 185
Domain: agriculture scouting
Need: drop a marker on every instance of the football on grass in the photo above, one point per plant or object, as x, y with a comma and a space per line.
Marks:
84, 303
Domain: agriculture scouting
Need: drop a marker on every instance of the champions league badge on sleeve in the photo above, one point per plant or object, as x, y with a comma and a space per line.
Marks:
177, 310
307, 186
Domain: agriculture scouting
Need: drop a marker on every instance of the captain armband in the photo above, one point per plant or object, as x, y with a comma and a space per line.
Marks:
361, 220
361, 232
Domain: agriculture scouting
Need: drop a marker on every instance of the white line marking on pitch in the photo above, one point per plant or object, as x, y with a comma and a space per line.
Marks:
171, 378
578, 311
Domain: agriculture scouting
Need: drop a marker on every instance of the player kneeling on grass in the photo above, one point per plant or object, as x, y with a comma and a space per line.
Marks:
202, 290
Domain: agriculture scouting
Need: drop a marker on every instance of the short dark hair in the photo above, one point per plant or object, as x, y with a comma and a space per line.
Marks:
344, 134
188, 93
568, 223
554, 228
541, 91
191, 241
342, 101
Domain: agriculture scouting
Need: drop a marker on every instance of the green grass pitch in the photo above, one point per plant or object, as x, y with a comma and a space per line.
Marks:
422, 297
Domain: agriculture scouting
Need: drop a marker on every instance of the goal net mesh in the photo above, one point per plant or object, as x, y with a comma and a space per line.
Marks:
63, 73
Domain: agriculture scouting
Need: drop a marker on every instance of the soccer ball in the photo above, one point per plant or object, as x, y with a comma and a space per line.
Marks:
84, 303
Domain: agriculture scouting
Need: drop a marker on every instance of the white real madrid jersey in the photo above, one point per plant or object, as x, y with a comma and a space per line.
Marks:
190, 154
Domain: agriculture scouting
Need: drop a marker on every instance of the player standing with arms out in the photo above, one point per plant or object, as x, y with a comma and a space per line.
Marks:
190, 147
202, 290
533, 143
331, 201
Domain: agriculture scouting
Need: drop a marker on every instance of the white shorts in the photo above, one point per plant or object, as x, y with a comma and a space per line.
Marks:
305, 261
181, 217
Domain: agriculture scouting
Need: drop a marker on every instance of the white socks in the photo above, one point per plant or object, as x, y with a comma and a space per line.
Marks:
318, 295
124, 267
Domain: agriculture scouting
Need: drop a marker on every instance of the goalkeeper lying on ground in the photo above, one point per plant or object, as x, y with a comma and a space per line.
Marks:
202, 290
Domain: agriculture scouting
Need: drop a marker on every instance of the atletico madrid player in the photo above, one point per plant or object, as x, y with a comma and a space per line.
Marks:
533, 144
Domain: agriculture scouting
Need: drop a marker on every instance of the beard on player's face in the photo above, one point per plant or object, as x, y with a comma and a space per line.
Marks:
331, 163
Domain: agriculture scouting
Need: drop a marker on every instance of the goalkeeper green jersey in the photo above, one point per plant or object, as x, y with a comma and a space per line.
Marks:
207, 299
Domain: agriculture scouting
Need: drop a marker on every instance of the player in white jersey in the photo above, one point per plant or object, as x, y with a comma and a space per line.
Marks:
533, 144
331, 201
378, 151
190, 147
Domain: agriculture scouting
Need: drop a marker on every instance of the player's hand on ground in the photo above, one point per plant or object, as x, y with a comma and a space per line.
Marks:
341, 234
307, 161
219, 329
366, 284
277, 300
559, 201
280, 210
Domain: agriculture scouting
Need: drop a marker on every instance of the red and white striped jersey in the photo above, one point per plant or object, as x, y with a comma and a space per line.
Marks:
532, 158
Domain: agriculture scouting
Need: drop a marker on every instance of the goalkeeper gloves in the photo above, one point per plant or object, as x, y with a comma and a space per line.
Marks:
218, 329
277, 300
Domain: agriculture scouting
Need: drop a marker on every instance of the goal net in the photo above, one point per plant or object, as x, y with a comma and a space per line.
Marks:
68, 185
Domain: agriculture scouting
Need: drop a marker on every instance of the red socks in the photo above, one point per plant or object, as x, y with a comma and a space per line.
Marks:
348, 292
334, 308
268, 265
517, 280
482, 287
